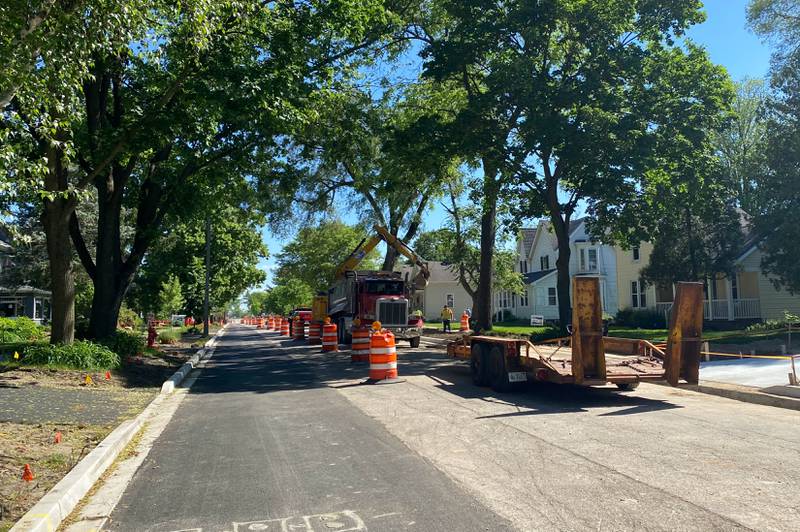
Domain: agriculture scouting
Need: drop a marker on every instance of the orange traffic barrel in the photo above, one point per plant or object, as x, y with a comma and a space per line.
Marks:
314, 333
297, 328
359, 352
271, 323
260, 323
330, 338
382, 355
464, 322
306, 328
285, 327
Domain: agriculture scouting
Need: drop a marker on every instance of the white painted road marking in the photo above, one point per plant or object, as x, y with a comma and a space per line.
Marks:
344, 521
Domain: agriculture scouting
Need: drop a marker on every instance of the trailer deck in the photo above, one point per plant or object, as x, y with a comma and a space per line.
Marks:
587, 357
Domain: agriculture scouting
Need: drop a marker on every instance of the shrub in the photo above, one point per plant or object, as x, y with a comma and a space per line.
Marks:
548, 334
128, 318
125, 344
640, 319
20, 330
168, 337
80, 355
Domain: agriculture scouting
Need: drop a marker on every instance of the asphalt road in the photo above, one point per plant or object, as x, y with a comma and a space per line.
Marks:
262, 443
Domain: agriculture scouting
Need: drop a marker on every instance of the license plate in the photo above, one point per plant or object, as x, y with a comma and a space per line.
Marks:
517, 376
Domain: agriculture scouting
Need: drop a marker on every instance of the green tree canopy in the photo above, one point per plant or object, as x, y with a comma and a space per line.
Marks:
288, 295
315, 252
170, 297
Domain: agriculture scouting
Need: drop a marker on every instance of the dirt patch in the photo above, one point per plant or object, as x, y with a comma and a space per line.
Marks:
134, 385
49, 461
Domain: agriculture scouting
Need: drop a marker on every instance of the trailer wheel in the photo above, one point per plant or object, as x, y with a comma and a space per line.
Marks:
627, 386
477, 365
498, 371
414, 341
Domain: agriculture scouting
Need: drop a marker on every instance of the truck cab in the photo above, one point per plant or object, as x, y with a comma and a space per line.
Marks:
370, 296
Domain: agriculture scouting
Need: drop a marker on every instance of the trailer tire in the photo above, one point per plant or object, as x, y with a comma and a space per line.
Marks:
498, 371
415, 341
477, 365
627, 386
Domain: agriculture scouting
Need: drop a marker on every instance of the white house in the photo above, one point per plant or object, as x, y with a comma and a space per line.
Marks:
537, 251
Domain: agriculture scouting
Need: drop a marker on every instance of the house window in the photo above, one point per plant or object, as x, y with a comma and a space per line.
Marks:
523, 298
735, 287
592, 252
551, 296
635, 252
638, 295
451, 300
544, 262
523, 266
583, 260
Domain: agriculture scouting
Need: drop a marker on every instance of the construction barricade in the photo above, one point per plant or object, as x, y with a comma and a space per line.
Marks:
359, 352
297, 328
285, 327
382, 355
271, 323
314, 333
330, 338
464, 322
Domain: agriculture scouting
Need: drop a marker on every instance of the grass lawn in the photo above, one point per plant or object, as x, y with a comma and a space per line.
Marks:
657, 335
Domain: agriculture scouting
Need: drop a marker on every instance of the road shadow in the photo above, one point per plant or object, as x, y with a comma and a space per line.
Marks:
249, 361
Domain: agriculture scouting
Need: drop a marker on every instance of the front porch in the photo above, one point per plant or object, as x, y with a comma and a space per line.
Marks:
730, 299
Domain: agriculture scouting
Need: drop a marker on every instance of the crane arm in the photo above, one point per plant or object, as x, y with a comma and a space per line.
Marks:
368, 244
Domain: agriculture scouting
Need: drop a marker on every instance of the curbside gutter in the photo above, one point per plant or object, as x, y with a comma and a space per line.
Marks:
746, 394
58, 503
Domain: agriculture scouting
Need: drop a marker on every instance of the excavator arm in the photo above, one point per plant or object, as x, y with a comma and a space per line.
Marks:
368, 244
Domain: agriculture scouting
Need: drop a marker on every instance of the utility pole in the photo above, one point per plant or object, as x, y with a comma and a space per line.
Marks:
208, 275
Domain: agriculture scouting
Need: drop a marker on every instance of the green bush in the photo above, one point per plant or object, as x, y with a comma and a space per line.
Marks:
125, 344
14, 330
640, 319
168, 337
128, 318
79, 355
553, 332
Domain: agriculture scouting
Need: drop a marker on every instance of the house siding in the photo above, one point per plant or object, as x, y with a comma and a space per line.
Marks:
629, 270
773, 301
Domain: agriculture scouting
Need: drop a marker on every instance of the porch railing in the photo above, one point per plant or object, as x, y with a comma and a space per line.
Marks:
742, 309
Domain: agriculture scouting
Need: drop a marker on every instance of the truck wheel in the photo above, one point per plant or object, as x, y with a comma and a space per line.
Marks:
627, 386
414, 341
498, 370
477, 365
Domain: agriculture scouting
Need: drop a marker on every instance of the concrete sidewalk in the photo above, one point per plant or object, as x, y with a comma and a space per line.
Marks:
261, 443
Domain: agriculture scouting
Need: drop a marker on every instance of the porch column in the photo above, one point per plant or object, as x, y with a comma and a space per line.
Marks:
730, 298
710, 298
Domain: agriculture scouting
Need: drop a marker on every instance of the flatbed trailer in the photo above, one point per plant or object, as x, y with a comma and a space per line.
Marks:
587, 358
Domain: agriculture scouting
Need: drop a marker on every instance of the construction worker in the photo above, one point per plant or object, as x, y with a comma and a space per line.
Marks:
447, 316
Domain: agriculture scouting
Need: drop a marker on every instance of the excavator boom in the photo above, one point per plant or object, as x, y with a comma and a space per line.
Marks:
368, 244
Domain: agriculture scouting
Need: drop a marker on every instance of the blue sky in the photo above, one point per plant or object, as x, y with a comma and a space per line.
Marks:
723, 34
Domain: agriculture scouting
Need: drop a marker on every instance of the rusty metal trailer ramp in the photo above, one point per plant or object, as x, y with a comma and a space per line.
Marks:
587, 358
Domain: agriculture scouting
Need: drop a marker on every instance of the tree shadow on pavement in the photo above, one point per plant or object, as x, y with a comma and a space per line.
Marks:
250, 361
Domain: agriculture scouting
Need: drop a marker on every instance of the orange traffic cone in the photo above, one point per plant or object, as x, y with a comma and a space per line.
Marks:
57, 438
27, 474
108, 375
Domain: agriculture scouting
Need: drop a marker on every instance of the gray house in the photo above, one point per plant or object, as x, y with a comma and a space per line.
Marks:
20, 300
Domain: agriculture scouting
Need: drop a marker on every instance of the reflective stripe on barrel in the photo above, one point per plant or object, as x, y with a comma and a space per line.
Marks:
314, 333
285, 327
297, 328
359, 352
330, 340
382, 356
306, 327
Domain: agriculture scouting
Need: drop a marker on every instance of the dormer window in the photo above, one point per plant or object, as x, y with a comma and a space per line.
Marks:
544, 262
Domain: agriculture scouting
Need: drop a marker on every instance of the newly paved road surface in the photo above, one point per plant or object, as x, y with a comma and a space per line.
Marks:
758, 372
262, 444
277, 436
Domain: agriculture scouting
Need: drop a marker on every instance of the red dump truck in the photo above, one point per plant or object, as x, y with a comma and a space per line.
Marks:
587, 357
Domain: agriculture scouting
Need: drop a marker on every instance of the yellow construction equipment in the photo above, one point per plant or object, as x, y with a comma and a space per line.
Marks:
420, 280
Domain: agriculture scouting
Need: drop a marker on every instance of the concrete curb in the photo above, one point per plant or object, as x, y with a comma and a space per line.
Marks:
203, 354
745, 394
58, 503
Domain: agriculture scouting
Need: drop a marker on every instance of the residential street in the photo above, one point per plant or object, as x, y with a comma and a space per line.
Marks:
277, 436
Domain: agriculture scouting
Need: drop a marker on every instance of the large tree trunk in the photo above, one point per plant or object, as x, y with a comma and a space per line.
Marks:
390, 259
483, 308
55, 219
563, 278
